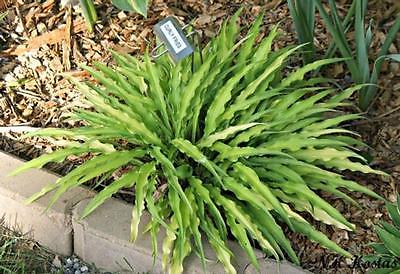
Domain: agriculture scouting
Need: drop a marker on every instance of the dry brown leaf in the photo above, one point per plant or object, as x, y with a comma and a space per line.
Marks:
49, 38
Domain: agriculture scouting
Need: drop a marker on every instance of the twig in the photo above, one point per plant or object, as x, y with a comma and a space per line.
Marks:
67, 43
389, 112
21, 18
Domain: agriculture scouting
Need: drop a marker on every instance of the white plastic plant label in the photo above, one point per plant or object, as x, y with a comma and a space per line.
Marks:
170, 33
173, 36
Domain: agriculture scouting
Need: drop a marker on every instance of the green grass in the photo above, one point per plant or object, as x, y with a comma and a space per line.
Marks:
18, 254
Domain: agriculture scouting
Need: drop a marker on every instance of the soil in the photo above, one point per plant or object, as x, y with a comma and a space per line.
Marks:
42, 39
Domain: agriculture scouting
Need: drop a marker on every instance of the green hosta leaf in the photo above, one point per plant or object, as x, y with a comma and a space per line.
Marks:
236, 212
267, 224
287, 100
252, 87
204, 194
193, 152
139, 6
306, 104
394, 213
91, 169
250, 176
262, 53
194, 223
245, 194
221, 98
317, 236
127, 180
234, 153
170, 173
343, 164
219, 246
156, 89
320, 210
330, 122
245, 136
333, 190
299, 74
239, 232
190, 90
391, 241
140, 192
345, 94
154, 232
56, 156
247, 46
168, 243
325, 154
222, 135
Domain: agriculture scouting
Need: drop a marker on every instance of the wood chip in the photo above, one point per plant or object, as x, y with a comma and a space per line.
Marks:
49, 38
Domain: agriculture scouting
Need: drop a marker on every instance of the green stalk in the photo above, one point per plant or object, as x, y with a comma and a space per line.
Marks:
368, 93
3, 15
334, 28
346, 24
361, 44
303, 13
89, 12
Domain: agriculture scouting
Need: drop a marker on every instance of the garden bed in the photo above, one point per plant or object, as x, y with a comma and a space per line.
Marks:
100, 239
37, 96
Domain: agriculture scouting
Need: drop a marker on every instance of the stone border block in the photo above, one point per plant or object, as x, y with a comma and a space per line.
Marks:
53, 228
102, 238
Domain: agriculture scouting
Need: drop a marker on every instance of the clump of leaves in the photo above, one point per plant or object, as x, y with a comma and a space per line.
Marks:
218, 145
387, 252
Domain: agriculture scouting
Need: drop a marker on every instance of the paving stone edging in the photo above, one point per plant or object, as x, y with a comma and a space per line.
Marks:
102, 237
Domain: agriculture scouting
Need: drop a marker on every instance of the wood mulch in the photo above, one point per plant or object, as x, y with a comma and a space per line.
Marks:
42, 39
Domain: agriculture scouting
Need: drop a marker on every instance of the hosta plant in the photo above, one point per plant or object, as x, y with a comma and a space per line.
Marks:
387, 252
219, 146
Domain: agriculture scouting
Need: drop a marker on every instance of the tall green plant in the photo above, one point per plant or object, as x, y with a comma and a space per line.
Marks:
303, 14
215, 146
357, 58
358, 65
